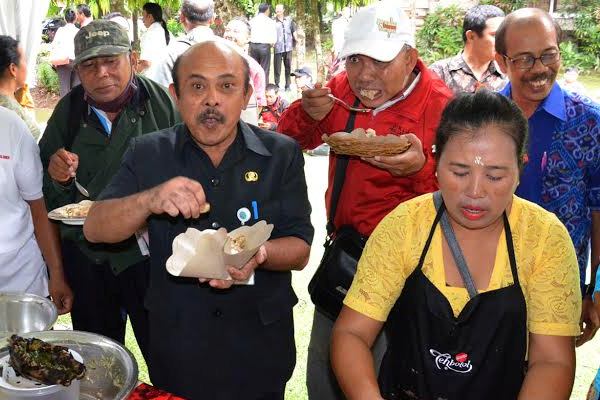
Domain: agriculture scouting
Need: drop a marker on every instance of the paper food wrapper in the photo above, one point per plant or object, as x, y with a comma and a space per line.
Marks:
208, 253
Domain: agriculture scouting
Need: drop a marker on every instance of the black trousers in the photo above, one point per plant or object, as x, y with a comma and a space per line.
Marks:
287, 63
261, 52
102, 300
67, 77
226, 352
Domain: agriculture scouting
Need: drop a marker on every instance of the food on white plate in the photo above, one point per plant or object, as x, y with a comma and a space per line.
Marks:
72, 211
44, 362
77, 210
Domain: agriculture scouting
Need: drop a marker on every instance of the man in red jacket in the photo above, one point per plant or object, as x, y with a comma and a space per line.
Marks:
276, 105
384, 73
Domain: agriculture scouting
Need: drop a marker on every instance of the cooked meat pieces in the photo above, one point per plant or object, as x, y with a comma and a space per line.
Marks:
77, 210
43, 362
238, 244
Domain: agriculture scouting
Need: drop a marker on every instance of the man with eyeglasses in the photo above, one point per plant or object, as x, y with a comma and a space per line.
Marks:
562, 166
85, 139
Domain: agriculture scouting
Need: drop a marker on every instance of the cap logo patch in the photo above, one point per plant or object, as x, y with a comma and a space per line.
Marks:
97, 33
388, 27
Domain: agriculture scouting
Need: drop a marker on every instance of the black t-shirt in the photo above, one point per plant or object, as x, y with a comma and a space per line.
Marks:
192, 323
261, 171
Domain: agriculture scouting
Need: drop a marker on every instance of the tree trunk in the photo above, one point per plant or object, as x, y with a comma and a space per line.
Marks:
316, 30
300, 34
134, 20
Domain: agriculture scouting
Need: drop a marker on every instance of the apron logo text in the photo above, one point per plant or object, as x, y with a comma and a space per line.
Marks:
446, 362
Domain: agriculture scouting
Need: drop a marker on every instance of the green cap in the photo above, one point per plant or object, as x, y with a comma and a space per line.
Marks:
100, 38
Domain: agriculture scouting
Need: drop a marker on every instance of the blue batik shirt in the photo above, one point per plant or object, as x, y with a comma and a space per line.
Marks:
562, 170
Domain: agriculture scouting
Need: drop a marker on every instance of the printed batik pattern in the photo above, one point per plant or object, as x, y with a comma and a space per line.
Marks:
571, 182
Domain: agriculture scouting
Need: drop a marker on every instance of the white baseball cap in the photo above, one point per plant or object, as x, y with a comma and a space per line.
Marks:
379, 31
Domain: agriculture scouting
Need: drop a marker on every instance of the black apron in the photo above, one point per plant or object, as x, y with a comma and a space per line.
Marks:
433, 355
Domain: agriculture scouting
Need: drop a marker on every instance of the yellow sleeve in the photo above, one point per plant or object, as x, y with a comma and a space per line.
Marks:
554, 304
381, 271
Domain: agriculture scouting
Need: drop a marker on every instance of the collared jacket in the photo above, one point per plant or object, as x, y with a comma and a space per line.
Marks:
150, 109
239, 342
285, 35
369, 193
459, 77
562, 166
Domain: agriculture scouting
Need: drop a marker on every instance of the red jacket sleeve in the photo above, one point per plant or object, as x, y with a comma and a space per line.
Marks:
296, 123
425, 181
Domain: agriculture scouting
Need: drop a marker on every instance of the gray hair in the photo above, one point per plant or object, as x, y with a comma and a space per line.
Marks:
198, 11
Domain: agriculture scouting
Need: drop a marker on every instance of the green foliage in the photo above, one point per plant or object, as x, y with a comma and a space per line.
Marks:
507, 5
47, 77
174, 27
571, 56
249, 7
53, 10
587, 31
327, 44
441, 34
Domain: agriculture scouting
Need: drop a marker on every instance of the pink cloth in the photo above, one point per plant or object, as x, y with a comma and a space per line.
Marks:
257, 78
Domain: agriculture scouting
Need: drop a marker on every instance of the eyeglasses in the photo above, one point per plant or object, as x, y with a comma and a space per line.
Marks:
528, 61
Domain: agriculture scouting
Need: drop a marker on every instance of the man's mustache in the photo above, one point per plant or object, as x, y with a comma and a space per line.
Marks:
540, 76
210, 113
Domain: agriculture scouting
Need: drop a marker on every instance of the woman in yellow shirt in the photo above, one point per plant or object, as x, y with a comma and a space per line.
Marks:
473, 283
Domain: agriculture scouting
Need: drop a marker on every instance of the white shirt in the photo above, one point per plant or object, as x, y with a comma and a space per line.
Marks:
63, 45
21, 265
263, 30
160, 71
153, 43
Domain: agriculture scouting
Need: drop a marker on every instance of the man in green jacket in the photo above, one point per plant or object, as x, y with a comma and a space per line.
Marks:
84, 141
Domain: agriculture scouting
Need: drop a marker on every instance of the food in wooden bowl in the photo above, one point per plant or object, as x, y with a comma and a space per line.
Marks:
366, 143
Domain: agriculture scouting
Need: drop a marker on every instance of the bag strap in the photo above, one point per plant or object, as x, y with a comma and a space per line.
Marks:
459, 258
341, 163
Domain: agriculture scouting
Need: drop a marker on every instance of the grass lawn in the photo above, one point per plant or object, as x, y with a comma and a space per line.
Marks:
592, 84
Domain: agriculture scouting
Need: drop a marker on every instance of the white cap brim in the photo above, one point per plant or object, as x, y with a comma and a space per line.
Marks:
380, 50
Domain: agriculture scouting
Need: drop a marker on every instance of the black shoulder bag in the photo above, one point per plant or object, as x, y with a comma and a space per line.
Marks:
343, 248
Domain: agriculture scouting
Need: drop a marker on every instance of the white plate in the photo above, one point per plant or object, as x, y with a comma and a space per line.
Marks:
58, 215
68, 221
73, 221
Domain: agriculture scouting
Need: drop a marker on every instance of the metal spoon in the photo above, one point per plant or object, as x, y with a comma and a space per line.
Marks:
349, 107
81, 189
